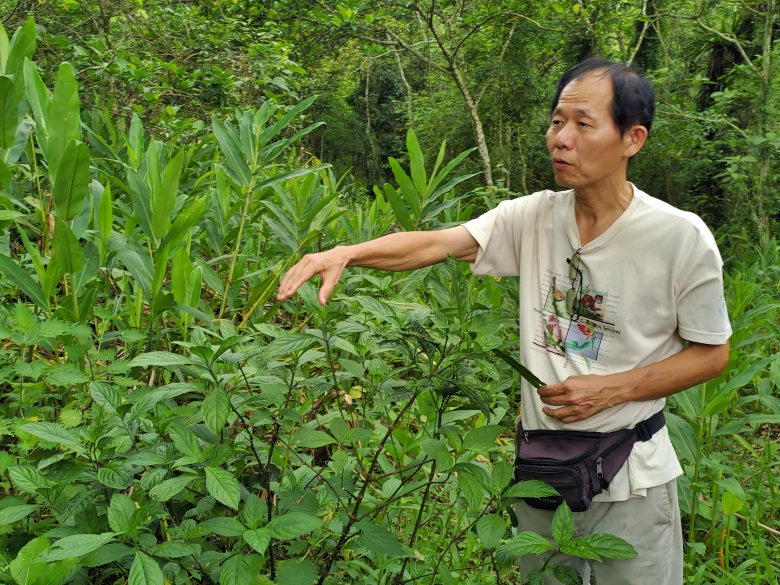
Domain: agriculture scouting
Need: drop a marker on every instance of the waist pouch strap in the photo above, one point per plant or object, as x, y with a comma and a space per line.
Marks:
578, 464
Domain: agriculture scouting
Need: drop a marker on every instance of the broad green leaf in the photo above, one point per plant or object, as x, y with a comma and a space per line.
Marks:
135, 141
22, 138
135, 259
165, 196
152, 175
5, 49
66, 376
64, 126
186, 442
108, 553
312, 439
141, 198
75, 546
530, 489
608, 546
26, 567
288, 344
448, 169
105, 395
90, 268
292, 525
145, 571
475, 396
144, 400
40, 102
690, 401
54, 433
731, 503
165, 490
481, 438
527, 543
229, 144
13, 514
297, 572
52, 278
491, 529
171, 549
73, 181
254, 512
160, 272
410, 196
105, 219
110, 477
8, 214
181, 267
745, 376
563, 524
27, 478
235, 571
223, 526
416, 163
8, 112
566, 575
501, 476
400, 209
380, 541
160, 358
223, 486
184, 221
472, 490
67, 250
13, 272
120, 513
683, 437
580, 548
258, 539
21, 48
215, 409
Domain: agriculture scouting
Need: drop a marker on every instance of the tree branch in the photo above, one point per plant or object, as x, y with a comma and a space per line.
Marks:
732, 40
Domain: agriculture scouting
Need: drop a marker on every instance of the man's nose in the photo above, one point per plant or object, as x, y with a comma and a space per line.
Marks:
564, 136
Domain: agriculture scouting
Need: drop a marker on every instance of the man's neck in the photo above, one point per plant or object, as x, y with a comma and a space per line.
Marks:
596, 210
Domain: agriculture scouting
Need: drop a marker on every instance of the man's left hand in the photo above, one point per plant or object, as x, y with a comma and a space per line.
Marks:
577, 397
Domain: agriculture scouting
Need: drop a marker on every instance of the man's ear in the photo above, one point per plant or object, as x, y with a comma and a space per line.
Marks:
634, 139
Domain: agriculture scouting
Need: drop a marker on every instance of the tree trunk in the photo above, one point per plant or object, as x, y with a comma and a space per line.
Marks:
476, 122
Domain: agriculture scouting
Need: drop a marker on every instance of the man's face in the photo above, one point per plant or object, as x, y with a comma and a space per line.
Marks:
586, 147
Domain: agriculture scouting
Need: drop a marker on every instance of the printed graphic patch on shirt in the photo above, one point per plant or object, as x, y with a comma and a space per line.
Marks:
575, 319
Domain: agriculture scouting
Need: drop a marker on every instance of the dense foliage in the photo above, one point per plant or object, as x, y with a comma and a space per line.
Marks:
162, 418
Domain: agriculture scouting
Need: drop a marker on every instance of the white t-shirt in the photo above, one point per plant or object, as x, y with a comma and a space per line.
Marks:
651, 281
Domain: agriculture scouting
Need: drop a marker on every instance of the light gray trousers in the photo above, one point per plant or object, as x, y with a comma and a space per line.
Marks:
651, 525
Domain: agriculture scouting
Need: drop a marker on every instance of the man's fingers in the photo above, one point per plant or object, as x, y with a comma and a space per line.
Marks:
548, 392
294, 278
328, 270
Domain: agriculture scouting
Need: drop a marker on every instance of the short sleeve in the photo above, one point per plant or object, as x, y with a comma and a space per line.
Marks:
701, 306
498, 233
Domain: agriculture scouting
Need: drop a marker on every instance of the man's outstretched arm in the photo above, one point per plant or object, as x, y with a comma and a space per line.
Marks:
395, 252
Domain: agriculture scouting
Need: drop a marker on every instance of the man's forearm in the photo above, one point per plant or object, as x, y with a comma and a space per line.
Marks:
411, 250
396, 252
580, 397
694, 365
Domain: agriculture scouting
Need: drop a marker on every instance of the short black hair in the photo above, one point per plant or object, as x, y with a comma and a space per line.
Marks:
633, 97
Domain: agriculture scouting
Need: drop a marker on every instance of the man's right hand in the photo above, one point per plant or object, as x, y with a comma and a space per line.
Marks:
329, 265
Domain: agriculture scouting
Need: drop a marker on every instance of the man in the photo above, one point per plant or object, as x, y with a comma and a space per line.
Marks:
621, 305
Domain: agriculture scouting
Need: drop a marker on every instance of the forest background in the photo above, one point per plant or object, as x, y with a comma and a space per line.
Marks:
163, 419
